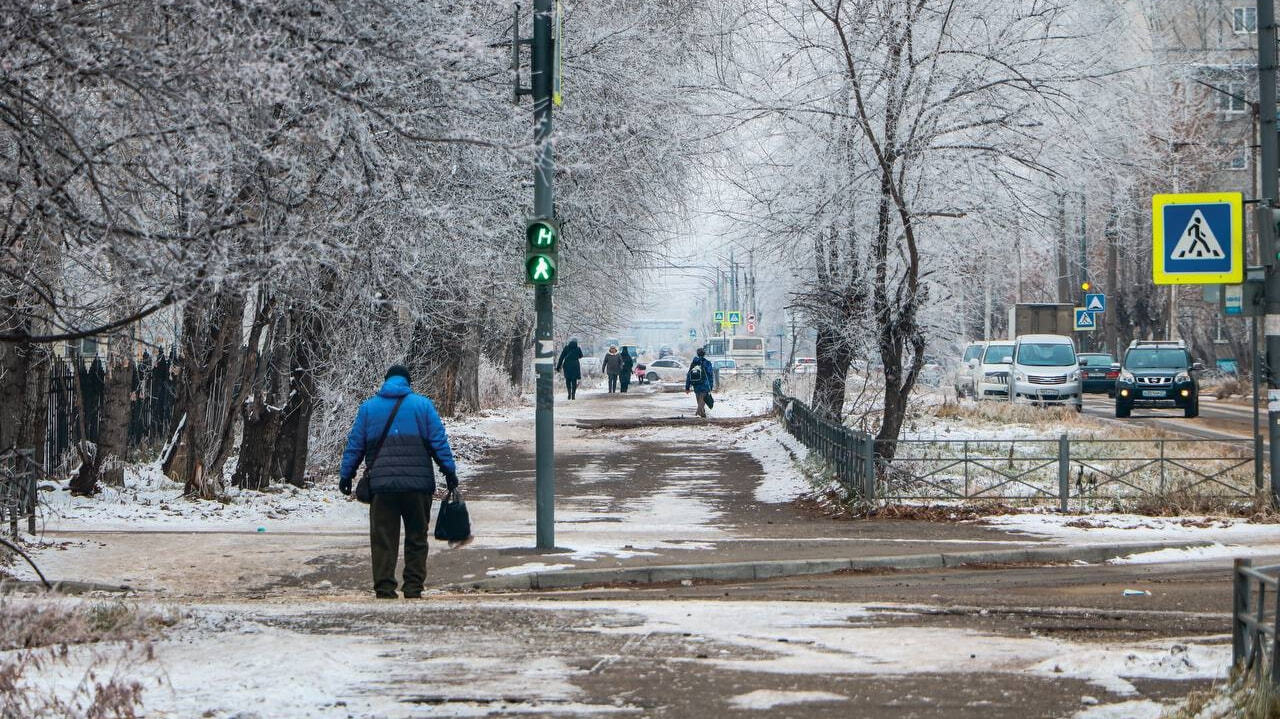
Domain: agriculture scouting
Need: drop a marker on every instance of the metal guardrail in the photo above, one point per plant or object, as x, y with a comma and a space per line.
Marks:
18, 490
1048, 470
1254, 619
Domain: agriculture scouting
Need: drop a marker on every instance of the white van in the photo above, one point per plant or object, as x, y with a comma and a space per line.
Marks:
1045, 371
991, 372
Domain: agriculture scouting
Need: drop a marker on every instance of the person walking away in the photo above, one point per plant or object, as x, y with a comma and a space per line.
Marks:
611, 366
699, 379
628, 366
570, 363
397, 433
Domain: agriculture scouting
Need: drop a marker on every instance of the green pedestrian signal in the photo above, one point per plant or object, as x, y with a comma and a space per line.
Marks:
542, 251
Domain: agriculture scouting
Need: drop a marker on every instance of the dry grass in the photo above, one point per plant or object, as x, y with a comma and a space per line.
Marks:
36, 634
1227, 388
1006, 413
1241, 697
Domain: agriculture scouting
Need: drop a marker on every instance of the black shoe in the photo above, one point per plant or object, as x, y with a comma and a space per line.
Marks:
385, 595
413, 595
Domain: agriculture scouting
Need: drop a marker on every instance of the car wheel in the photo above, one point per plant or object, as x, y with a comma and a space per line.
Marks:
1123, 410
1079, 407
1192, 410
652, 376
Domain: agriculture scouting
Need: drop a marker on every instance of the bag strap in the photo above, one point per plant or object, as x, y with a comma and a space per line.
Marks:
373, 455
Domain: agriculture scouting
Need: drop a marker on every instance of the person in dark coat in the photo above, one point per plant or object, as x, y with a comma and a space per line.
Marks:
628, 366
700, 382
611, 366
570, 363
401, 478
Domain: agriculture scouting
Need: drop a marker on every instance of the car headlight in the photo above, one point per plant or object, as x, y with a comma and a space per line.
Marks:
1075, 376
1126, 376
1182, 377
1019, 377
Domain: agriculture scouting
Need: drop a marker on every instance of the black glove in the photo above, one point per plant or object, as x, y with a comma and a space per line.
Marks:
344, 485
451, 481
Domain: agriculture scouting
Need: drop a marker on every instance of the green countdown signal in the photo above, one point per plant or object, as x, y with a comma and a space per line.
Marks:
542, 251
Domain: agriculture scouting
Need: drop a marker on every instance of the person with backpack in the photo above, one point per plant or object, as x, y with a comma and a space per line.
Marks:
627, 368
611, 366
699, 378
570, 363
397, 434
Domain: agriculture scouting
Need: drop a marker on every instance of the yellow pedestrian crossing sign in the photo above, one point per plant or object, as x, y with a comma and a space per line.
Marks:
1197, 238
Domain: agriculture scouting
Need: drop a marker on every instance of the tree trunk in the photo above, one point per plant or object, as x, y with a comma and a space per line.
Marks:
113, 424
516, 347
831, 373
261, 425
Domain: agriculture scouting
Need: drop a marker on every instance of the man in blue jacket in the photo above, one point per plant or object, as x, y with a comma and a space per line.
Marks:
401, 477
699, 378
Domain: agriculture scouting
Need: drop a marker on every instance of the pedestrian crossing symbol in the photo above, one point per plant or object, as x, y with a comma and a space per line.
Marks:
1198, 238
1096, 302
1085, 320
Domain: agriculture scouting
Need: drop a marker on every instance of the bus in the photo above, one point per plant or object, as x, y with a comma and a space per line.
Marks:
748, 352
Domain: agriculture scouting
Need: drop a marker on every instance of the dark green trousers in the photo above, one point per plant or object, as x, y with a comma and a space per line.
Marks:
386, 512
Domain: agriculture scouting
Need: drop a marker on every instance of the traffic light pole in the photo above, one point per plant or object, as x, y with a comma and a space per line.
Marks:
542, 62
1270, 161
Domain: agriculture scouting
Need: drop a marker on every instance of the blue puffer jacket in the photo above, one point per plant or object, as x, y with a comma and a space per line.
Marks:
708, 375
416, 437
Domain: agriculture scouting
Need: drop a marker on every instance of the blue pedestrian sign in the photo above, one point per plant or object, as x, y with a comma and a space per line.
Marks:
1086, 321
719, 317
1095, 302
1197, 238
693, 334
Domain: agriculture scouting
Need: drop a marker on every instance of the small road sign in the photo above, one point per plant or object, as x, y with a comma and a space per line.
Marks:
1085, 320
1233, 300
719, 317
751, 317
1095, 302
1197, 238
735, 317
751, 327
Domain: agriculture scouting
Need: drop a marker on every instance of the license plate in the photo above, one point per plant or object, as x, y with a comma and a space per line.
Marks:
1048, 393
1152, 393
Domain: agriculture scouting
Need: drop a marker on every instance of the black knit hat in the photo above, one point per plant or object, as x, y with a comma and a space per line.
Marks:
398, 369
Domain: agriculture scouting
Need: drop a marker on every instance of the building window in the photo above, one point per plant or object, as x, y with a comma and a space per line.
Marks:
1231, 97
1235, 157
1245, 19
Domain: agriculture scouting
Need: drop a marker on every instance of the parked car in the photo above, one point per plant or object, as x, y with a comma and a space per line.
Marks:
667, 369
1098, 373
964, 377
664, 351
1158, 374
1045, 371
990, 372
724, 365
805, 365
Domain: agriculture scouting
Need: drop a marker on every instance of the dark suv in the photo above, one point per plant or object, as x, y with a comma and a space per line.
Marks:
1158, 374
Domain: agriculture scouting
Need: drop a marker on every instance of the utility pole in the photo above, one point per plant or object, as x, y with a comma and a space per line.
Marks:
1086, 338
1270, 168
1113, 285
542, 70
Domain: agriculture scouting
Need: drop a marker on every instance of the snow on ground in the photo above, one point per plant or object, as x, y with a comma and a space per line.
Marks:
777, 452
1104, 528
1138, 709
768, 699
528, 568
826, 638
1192, 554
225, 658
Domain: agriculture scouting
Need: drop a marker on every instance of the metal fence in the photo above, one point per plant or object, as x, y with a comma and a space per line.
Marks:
1086, 472
73, 413
18, 490
1254, 619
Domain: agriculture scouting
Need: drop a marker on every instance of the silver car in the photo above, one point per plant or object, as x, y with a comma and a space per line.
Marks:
1045, 371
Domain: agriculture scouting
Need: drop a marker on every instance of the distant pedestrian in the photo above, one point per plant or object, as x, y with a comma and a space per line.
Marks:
628, 366
398, 433
699, 379
611, 366
570, 364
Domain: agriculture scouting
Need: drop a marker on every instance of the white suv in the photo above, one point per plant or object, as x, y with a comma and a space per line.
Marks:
968, 362
1045, 371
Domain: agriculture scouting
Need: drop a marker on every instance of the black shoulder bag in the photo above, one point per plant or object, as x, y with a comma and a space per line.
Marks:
363, 492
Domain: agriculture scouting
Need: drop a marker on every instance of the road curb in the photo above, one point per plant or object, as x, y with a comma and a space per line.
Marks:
768, 569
